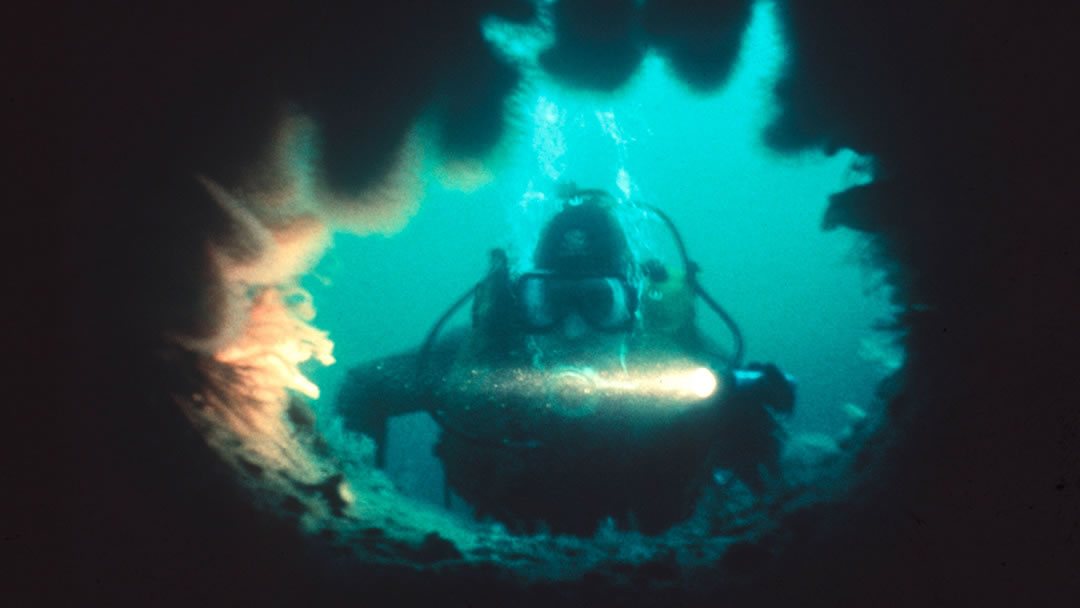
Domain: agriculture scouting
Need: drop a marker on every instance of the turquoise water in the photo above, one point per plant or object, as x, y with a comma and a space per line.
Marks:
750, 218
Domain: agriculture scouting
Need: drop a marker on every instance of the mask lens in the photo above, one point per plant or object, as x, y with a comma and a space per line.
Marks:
535, 303
604, 303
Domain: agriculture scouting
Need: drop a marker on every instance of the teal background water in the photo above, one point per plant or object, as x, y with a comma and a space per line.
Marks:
750, 218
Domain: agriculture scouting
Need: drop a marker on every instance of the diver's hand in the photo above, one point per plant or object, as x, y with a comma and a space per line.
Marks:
769, 385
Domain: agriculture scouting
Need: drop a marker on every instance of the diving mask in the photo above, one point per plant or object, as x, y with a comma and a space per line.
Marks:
605, 303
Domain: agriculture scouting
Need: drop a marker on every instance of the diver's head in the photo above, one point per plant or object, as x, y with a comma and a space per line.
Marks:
581, 285
584, 239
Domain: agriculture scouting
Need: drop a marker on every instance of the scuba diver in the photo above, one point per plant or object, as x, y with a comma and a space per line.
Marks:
583, 388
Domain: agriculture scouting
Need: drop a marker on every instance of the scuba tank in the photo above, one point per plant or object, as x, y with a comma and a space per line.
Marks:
667, 307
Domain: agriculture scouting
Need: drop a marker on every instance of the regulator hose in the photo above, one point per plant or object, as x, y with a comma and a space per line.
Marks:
691, 270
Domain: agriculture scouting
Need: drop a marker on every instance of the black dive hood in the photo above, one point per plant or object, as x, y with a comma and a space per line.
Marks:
633, 390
